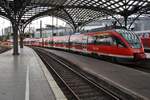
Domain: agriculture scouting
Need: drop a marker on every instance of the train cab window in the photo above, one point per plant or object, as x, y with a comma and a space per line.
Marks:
130, 37
118, 42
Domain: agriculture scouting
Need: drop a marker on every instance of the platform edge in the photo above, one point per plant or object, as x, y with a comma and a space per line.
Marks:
52, 83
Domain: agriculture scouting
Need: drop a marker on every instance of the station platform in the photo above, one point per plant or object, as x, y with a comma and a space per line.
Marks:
130, 81
25, 77
147, 55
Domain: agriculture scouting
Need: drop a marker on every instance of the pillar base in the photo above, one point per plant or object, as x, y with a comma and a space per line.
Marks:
15, 53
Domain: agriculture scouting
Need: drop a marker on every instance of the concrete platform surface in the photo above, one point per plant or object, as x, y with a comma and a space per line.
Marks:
147, 55
22, 78
131, 81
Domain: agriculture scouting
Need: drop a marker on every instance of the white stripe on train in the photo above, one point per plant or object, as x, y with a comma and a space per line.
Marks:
105, 54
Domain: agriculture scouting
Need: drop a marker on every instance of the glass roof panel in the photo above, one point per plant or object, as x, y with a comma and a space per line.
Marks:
80, 11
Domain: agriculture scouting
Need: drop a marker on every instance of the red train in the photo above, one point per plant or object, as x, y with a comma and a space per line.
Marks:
119, 44
145, 37
146, 40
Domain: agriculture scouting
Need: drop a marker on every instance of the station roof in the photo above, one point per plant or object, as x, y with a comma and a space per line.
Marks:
74, 12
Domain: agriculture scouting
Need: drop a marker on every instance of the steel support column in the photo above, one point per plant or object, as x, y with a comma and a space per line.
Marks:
21, 37
21, 40
15, 38
125, 21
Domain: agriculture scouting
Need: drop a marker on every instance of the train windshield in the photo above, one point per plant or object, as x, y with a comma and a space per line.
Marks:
131, 38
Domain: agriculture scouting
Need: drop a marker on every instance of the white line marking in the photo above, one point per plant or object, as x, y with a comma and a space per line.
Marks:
27, 85
59, 95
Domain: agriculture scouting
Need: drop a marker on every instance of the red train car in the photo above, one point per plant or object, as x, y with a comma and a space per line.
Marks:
146, 40
119, 44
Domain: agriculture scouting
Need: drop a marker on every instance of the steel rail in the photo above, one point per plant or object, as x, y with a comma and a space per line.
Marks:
80, 75
47, 63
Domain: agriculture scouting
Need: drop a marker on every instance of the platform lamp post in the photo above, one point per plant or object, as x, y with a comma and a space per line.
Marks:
29, 31
69, 44
52, 26
57, 25
2, 35
3, 32
41, 35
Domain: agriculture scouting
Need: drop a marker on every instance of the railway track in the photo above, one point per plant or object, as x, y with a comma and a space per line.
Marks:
75, 85
2, 49
141, 66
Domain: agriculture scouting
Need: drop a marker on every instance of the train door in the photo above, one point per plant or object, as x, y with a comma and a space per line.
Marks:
118, 47
84, 43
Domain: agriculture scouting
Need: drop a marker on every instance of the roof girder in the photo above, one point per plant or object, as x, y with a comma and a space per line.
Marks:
100, 7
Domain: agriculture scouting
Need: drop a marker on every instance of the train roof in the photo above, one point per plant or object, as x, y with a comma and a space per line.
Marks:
107, 28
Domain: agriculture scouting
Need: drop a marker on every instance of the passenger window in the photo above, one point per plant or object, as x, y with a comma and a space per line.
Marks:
91, 40
78, 41
109, 40
104, 40
84, 40
50, 42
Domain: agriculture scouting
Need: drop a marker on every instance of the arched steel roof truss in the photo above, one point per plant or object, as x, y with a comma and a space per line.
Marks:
75, 12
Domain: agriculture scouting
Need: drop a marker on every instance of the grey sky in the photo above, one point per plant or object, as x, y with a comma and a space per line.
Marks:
45, 20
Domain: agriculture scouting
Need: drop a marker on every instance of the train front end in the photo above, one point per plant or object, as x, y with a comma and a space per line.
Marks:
134, 44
